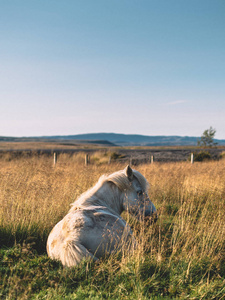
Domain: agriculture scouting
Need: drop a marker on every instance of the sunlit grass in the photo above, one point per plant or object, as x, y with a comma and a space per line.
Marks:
182, 255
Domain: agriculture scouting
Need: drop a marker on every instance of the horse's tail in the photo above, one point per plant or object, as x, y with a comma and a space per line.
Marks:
72, 253
68, 249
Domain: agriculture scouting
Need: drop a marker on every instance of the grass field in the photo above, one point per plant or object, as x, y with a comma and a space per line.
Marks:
181, 256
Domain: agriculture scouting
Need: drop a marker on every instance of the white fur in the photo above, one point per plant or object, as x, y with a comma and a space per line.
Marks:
93, 227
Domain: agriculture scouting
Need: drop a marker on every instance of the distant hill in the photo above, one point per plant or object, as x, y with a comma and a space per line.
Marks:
120, 139
142, 140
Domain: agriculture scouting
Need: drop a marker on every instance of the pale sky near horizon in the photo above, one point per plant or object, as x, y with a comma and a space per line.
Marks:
138, 67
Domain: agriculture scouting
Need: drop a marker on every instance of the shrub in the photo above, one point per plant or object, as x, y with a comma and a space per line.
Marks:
201, 156
222, 155
115, 155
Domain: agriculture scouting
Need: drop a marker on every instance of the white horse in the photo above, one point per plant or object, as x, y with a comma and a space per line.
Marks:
93, 227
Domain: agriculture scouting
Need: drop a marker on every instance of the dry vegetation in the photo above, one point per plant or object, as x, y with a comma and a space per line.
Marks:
182, 255
45, 145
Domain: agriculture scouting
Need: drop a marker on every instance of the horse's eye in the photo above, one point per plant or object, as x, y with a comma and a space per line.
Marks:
139, 193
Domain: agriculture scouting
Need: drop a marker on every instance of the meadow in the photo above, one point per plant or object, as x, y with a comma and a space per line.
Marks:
181, 256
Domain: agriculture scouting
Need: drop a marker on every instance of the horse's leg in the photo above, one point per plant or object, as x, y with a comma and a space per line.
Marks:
129, 241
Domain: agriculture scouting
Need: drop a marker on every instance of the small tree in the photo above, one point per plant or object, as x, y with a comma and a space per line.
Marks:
207, 138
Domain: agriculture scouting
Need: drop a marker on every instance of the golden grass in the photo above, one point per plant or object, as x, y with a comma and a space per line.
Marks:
186, 245
190, 200
33, 191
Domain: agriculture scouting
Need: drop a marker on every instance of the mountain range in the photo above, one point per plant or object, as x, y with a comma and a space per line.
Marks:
115, 139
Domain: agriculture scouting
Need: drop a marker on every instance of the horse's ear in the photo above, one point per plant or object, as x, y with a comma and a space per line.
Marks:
129, 172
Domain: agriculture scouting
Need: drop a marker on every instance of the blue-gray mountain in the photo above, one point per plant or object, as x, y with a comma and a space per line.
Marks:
124, 139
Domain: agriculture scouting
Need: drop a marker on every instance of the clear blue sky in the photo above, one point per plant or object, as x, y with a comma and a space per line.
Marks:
82, 66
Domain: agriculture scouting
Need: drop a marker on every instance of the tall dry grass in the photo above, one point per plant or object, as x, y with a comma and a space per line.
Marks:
34, 194
183, 251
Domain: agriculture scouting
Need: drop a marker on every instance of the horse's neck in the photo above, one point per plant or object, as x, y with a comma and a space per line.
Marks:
106, 196
110, 196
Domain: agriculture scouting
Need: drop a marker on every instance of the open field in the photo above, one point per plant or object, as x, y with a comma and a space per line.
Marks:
44, 146
181, 256
136, 154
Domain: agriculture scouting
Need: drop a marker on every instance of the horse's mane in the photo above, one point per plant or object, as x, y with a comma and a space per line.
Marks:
119, 178
121, 181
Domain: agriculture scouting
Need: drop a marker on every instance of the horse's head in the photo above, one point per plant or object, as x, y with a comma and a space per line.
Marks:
136, 199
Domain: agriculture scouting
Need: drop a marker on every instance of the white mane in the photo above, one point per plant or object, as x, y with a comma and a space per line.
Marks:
121, 181
118, 178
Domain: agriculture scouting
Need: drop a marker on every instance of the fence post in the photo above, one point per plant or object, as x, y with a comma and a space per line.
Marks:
87, 160
152, 159
55, 158
192, 158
